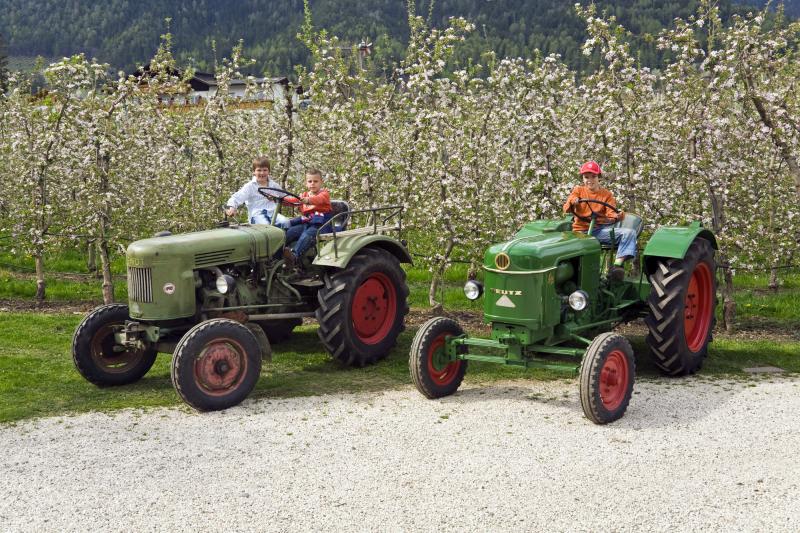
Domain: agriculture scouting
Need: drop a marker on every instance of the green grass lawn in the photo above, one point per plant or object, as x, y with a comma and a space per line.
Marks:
37, 377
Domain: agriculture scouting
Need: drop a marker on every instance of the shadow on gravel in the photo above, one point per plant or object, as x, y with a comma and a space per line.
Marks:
656, 403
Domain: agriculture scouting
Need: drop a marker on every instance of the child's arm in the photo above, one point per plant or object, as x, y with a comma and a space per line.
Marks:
321, 199
236, 199
571, 199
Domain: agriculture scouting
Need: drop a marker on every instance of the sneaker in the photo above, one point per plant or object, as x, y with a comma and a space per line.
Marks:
288, 258
617, 273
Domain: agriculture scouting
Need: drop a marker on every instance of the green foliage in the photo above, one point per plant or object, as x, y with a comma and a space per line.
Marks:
125, 33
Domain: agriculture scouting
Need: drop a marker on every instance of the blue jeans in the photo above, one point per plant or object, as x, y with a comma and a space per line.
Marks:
264, 216
625, 237
306, 236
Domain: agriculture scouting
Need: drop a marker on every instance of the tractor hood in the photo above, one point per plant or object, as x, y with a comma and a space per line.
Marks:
161, 283
538, 246
521, 275
207, 248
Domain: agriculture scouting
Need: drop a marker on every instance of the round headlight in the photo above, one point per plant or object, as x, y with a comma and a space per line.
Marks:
473, 289
225, 283
578, 300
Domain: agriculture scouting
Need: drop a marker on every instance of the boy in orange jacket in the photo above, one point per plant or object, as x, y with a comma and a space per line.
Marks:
606, 217
315, 210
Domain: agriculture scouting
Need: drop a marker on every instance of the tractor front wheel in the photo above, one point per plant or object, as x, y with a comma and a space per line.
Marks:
216, 364
99, 358
434, 374
362, 308
682, 302
606, 379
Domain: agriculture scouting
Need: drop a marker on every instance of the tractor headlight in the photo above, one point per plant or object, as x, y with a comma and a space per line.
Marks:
225, 284
473, 289
578, 300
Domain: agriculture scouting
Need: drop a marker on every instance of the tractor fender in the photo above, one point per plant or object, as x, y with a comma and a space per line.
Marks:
673, 241
346, 247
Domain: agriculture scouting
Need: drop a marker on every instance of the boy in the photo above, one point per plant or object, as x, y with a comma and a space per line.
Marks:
625, 237
315, 210
259, 208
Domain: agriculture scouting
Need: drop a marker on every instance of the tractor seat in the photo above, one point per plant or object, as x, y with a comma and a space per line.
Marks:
338, 207
631, 221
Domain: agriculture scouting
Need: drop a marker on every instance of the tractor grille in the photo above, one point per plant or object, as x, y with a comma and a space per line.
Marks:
211, 258
140, 284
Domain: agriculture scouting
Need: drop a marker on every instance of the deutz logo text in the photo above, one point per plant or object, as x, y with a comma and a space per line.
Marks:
510, 293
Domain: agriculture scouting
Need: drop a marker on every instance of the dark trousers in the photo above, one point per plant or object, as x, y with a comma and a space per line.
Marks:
305, 234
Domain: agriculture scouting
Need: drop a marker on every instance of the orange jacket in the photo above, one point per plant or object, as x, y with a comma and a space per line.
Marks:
320, 203
604, 214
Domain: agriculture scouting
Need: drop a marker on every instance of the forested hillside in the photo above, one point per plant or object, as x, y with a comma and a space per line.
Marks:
126, 33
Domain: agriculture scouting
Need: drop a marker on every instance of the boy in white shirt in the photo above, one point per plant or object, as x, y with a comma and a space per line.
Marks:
259, 208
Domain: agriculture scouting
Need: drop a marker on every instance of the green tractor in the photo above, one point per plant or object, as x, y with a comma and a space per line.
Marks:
218, 299
552, 304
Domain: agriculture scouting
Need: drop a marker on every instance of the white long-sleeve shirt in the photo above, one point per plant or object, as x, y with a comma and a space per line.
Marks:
256, 202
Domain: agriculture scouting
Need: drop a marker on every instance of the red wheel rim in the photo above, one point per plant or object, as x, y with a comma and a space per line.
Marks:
374, 308
614, 380
447, 374
103, 351
698, 307
220, 367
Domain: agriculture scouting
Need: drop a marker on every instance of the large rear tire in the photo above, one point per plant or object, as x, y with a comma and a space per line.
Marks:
363, 307
608, 371
98, 357
216, 364
432, 372
682, 303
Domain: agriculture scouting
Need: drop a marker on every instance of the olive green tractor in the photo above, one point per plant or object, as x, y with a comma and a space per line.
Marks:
218, 299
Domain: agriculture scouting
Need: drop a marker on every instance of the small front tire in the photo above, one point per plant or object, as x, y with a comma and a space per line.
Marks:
607, 374
432, 372
216, 364
98, 357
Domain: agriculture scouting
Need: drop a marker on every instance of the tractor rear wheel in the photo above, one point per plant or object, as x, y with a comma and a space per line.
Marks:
279, 330
98, 357
607, 374
362, 308
432, 372
216, 364
682, 302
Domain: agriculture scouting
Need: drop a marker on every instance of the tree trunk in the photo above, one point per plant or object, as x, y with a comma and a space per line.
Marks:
105, 264
438, 278
40, 283
289, 154
728, 303
91, 257
773, 279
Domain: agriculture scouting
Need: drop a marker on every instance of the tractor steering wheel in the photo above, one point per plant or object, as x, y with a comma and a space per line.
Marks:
594, 214
277, 197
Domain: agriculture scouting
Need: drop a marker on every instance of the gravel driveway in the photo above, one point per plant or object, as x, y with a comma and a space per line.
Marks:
689, 455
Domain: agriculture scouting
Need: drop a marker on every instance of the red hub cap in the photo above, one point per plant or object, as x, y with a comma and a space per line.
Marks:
698, 307
220, 367
110, 356
442, 371
374, 308
614, 380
